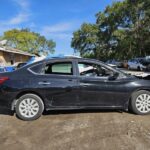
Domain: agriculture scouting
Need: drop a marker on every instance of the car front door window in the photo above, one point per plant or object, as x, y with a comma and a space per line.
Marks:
93, 70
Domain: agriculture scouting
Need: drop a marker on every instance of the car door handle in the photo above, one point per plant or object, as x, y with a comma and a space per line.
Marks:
84, 84
44, 83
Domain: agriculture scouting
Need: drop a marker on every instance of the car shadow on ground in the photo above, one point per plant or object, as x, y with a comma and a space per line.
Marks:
57, 112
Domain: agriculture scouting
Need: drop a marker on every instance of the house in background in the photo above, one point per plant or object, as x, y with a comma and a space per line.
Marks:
10, 56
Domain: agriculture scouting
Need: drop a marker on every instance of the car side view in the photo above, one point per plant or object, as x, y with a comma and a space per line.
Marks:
71, 83
136, 64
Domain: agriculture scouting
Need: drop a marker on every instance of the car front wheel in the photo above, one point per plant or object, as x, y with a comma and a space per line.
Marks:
140, 102
29, 107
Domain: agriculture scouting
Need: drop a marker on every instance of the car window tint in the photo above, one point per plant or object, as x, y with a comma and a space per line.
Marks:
62, 68
36, 68
93, 70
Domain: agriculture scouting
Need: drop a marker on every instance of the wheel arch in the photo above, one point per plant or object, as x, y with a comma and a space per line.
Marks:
23, 93
137, 90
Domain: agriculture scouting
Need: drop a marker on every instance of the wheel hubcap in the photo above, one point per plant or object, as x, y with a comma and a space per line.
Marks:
143, 103
29, 108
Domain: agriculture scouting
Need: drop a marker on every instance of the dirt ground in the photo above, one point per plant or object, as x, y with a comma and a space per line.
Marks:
76, 130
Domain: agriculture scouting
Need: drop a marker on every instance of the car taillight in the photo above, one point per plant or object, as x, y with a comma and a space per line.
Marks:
3, 79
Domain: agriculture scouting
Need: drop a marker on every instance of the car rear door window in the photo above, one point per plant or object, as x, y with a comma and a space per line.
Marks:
60, 68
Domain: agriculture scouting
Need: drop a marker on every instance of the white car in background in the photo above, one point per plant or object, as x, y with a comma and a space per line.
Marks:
136, 64
114, 63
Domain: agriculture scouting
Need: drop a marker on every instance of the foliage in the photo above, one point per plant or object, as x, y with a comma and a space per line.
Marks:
121, 31
85, 40
29, 41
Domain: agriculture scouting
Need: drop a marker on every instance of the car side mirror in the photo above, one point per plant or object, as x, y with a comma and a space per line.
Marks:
114, 76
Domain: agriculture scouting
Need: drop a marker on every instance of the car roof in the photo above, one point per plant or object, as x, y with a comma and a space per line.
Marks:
65, 59
72, 58
61, 59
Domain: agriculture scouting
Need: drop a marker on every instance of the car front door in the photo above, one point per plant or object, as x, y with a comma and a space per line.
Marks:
60, 83
96, 89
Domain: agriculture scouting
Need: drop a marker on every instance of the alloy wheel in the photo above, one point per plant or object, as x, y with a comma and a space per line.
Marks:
29, 108
143, 103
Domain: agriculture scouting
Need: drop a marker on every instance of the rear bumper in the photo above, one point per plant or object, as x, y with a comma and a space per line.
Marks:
5, 111
6, 99
5, 104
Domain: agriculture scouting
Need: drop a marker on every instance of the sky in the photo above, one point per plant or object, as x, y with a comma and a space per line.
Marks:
55, 19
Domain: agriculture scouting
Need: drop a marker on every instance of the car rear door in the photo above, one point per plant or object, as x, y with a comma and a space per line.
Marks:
60, 83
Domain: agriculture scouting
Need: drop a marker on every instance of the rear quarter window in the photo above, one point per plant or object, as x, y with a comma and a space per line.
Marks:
36, 69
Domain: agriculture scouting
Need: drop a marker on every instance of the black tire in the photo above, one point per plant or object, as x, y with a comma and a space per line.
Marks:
39, 106
148, 68
139, 68
133, 103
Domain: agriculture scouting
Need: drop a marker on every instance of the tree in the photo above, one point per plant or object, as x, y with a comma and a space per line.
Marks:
122, 32
85, 40
29, 41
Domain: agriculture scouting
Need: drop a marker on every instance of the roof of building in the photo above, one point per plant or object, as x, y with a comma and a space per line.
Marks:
15, 51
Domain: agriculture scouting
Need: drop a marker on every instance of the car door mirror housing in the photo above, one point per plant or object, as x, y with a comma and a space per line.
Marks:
114, 76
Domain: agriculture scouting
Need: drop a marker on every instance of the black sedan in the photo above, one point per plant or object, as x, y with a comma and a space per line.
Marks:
71, 83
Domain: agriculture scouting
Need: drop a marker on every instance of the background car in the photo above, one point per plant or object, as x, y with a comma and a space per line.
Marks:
114, 63
146, 62
2, 69
9, 68
20, 65
136, 64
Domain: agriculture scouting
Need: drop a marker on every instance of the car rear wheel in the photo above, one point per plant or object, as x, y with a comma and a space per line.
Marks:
140, 102
139, 68
29, 107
